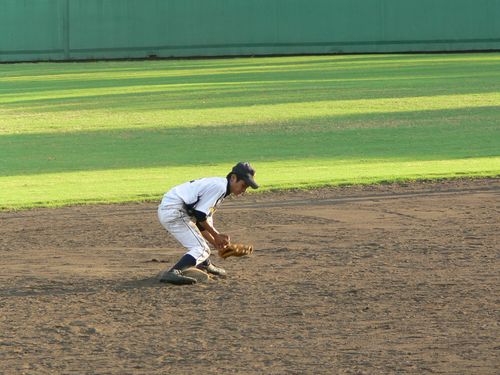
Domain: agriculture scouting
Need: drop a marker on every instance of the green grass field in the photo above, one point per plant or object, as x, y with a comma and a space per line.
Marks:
74, 133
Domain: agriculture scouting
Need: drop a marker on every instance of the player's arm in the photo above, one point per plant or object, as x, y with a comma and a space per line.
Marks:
206, 234
208, 231
219, 240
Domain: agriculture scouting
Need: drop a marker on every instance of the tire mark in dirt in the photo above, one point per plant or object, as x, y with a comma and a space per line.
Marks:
271, 203
376, 197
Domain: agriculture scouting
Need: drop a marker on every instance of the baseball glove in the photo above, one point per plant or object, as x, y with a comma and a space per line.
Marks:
235, 249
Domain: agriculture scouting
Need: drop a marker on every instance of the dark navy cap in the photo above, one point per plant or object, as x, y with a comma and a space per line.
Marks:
245, 172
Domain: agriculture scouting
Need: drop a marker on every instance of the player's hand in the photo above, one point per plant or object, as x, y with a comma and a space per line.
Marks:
221, 240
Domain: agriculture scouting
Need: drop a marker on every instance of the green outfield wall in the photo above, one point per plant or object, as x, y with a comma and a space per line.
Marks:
32, 30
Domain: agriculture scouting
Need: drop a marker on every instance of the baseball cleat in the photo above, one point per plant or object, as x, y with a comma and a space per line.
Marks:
176, 277
213, 269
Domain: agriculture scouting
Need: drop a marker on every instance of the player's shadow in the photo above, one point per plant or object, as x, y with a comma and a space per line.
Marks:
149, 282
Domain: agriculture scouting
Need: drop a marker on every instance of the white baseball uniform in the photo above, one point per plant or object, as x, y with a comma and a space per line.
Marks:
203, 195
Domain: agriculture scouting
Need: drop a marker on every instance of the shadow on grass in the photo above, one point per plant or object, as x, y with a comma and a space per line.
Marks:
420, 135
242, 95
263, 81
215, 64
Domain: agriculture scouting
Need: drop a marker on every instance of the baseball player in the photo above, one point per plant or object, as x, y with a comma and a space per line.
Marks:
186, 212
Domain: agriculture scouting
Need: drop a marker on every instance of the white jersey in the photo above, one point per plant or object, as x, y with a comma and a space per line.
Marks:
203, 195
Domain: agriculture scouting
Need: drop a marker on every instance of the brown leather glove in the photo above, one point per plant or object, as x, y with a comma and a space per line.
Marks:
235, 249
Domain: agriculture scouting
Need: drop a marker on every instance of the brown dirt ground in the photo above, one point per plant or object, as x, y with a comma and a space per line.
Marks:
390, 279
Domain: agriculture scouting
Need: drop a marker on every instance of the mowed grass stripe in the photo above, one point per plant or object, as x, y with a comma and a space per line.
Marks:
442, 135
167, 74
48, 95
140, 184
242, 115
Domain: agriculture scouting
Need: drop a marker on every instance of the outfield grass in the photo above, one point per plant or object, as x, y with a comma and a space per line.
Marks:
124, 131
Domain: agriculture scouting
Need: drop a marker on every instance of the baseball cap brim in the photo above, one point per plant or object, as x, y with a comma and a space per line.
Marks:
250, 181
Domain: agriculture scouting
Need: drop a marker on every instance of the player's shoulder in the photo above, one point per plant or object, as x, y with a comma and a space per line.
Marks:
216, 183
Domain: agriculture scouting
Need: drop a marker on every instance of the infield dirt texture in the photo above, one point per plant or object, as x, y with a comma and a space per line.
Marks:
387, 279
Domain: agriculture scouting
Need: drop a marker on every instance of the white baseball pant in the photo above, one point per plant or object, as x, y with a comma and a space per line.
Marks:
177, 222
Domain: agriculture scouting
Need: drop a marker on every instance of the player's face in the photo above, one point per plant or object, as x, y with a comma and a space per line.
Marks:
237, 186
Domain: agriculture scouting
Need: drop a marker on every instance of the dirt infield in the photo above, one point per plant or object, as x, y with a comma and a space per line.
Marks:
392, 279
